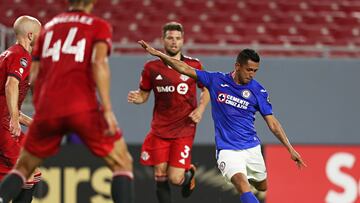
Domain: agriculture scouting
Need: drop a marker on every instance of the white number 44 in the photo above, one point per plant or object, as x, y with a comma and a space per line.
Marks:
78, 50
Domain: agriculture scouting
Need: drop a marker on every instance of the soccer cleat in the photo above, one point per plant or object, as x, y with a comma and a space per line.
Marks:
189, 188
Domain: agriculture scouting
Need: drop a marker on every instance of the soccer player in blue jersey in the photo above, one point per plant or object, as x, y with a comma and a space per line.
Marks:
235, 98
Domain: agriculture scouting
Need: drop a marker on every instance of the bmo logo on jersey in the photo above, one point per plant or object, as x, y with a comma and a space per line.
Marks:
181, 88
165, 88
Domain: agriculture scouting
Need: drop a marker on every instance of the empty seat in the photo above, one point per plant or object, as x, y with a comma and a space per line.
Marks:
262, 22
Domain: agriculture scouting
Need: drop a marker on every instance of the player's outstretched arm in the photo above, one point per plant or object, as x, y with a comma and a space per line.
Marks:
276, 128
101, 73
178, 65
12, 98
138, 96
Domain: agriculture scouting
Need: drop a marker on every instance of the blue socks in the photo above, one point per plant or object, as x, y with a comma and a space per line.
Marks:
248, 197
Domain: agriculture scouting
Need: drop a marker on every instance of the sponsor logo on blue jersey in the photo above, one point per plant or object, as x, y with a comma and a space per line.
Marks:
232, 101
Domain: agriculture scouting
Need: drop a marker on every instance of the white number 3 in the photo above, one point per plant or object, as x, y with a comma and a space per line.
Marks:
185, 154
78, 50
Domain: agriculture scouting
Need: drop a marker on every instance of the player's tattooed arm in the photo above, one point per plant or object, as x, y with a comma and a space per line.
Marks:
177, 65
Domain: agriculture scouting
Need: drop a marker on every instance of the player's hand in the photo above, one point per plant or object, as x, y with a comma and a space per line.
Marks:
148, 48
134, 97
15, 128
297, 158
112, 123
196, 115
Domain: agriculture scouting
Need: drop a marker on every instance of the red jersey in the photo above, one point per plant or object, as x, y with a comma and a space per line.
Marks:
66, 85
175, 97
15, 62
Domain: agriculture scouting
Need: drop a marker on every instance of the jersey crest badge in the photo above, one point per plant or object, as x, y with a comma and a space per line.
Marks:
222, 166
182, 88
221, 97
246, 94
145, 156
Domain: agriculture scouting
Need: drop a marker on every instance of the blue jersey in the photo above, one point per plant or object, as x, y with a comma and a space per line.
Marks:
233, 109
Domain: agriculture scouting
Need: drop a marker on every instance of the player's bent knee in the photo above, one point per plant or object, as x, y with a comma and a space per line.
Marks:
118, 162
176, 179
262, 187
240, 182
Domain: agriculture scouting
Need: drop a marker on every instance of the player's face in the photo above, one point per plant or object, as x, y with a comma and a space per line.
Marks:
245, 73
173, 42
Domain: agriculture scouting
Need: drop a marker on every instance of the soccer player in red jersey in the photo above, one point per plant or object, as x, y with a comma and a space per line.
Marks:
15, 65
71, 60
167, 147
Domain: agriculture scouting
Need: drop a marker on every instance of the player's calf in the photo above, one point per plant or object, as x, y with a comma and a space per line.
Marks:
120, 162
163, 191
122, 187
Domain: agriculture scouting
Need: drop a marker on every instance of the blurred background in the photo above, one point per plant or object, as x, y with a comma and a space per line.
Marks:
309, 65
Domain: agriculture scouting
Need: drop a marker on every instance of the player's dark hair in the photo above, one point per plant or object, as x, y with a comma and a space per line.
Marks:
247, 54
74, 2
172, 26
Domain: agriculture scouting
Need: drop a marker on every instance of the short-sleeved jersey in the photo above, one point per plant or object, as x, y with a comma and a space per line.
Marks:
175, 97
65, 82
233, 109
15, 62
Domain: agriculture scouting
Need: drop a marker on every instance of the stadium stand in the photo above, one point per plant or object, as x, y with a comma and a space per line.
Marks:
310, 28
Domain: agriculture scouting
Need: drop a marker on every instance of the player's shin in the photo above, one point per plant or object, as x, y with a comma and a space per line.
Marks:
11, 186
26, 194
28, 189
122, 187
163, 191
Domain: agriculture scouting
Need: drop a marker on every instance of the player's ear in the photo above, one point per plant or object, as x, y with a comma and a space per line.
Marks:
237, 66
30, 36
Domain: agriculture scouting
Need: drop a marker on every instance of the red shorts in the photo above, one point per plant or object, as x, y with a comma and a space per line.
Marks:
45, 135
9, 150
176, 152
